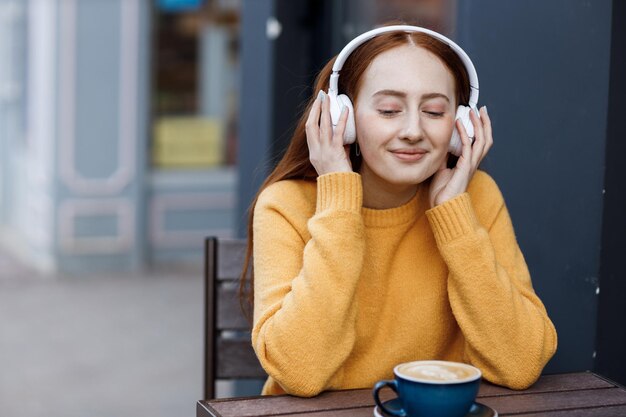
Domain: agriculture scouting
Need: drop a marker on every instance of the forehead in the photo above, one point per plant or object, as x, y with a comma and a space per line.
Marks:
407, 68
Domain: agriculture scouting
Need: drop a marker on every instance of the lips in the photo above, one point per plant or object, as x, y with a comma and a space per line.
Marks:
409, 155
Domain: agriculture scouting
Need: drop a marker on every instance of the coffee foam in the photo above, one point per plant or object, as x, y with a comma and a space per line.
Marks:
438, 371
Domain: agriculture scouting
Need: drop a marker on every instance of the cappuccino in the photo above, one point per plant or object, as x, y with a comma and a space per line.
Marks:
438, 371
431, 388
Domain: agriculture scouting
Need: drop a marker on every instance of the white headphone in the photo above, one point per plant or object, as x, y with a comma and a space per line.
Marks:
336, 99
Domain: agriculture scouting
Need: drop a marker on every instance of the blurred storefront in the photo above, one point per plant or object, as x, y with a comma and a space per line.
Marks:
193, 142
118, 140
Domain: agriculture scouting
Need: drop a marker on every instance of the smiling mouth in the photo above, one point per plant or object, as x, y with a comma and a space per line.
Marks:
409, 156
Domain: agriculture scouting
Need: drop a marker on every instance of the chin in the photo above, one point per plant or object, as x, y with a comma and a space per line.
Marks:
408, 180
412, 177
405, 175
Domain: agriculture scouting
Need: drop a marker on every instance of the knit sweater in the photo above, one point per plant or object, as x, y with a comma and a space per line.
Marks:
344, 293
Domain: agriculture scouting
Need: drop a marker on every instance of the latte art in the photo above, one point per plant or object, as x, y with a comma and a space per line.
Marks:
432, 388
440, 372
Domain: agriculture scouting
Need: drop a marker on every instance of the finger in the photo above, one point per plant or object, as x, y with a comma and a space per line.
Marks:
312, 126
341, 125
479, 140
488, 132
488, 137
466, 149
346, 149
326, 127
484, 116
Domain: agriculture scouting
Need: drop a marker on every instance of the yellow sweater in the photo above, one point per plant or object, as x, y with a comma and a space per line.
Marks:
344, 293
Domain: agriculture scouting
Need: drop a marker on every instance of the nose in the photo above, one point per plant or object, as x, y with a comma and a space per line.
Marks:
412, 130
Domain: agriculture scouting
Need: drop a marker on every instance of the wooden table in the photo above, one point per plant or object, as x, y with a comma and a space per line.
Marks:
572, 395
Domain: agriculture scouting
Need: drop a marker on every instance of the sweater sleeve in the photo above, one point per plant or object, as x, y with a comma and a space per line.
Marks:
304, 312
507, 331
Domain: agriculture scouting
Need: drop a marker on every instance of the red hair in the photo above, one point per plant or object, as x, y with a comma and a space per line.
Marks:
295, 163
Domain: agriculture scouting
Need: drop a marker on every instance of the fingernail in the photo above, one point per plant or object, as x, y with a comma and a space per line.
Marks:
485, 107
344, 109
321, 96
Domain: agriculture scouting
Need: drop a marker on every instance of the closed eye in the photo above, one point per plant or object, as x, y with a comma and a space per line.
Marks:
435, 114
388, 112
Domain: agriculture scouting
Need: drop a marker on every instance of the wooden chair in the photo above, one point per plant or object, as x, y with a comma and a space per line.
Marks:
228, 352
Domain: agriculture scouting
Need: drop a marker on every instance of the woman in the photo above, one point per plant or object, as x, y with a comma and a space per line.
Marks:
390, 250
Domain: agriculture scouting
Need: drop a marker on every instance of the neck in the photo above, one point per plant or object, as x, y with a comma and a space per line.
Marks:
382, 195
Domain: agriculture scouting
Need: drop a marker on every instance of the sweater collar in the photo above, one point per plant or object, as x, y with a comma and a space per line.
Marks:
406, 213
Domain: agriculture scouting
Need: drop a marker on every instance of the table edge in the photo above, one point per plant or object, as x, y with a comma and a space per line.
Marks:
607, 379
202, 406
206, 407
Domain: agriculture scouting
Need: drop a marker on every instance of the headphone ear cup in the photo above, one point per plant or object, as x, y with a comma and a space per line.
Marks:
349, 134
336, 103
456, 145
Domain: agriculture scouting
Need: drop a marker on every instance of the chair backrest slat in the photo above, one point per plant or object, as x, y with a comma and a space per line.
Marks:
229, 315
238, 360
230, 257
228, 350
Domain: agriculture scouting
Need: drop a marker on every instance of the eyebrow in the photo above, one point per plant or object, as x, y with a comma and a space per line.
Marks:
402, 94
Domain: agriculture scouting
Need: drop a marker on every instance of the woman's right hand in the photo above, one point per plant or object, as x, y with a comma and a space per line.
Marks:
327, 152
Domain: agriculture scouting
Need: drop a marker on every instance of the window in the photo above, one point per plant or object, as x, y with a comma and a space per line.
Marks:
195, 84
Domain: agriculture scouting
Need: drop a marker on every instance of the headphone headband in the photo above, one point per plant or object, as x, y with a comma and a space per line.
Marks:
359, 40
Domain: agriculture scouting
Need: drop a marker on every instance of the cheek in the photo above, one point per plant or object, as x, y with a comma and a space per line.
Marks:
370, 128
366, 132
439, 160
371, 142
441, 134
363, 124
369, 149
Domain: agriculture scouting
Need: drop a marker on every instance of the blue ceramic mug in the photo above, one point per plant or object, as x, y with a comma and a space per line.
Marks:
431, 389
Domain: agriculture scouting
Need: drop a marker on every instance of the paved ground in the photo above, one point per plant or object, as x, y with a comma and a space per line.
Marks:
102, 345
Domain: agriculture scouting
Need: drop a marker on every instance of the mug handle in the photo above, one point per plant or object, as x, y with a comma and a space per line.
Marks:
393, 384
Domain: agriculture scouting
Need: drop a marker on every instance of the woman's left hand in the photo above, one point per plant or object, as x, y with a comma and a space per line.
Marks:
448, 183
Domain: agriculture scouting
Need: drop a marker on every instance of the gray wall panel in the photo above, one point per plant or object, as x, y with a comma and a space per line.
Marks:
255, 125
97, 87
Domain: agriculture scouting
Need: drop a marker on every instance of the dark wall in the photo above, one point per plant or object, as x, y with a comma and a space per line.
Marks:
277, 75
543, 69
611, 340
299, 54
256, 95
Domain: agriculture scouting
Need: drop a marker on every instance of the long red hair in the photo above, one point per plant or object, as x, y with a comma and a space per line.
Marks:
295, 162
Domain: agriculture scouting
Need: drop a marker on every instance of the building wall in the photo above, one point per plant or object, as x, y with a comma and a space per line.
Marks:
25, 190
544, 75
101, 131
611, 341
